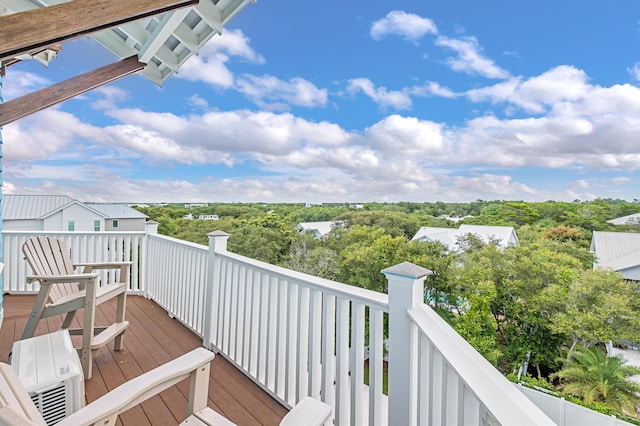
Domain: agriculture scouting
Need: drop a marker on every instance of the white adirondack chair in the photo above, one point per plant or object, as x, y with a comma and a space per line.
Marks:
63, 291
17, 408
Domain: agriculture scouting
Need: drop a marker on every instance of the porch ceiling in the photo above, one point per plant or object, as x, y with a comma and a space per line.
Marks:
164, 42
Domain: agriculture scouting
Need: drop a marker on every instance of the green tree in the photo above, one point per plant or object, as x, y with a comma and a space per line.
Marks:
594, 377
593, 306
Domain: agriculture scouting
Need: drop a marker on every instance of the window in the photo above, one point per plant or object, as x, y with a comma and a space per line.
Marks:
115, 223
96, 225
71, 226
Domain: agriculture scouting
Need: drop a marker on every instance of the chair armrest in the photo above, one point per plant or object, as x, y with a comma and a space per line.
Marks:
309, 412
54, 279
103, 265
141, 388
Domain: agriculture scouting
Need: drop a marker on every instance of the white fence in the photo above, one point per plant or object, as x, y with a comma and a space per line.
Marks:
565, 413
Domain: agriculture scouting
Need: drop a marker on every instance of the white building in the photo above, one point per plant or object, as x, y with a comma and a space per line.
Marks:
618, 251
504, 235
632, 219
62, 213
319, 229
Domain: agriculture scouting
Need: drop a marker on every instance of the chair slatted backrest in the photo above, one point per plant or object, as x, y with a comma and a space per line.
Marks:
49, 256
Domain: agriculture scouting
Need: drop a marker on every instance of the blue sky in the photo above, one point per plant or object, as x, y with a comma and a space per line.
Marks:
354, 101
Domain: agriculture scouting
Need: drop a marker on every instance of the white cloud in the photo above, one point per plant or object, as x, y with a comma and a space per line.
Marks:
405, 136
493, 186
380, 95
18, 83
562, 83
273, 93
469, 58
406, 25
635, 71
432, 88
210, 65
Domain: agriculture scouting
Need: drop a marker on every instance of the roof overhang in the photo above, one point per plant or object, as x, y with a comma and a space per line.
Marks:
161, 34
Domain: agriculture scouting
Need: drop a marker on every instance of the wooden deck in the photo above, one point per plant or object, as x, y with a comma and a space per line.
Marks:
153, 338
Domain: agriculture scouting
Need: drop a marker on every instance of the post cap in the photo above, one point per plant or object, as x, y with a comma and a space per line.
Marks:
407, 270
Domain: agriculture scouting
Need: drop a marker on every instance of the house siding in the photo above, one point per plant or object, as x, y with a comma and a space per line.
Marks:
125, 225
81, 216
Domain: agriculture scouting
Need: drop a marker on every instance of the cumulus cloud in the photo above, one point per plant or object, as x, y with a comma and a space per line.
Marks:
493, 186
18, 83
272, 93
210, 65
386, 99
469, 58
406, 25
538, 93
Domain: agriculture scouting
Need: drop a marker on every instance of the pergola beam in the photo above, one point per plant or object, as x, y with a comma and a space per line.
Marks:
37, 28
44, 98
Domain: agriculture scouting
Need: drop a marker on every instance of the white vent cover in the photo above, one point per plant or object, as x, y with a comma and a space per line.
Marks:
49, 368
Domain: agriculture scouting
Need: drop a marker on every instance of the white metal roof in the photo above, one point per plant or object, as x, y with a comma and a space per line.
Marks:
322, 228
625, 220
616, 250
164, 42
504, 235
31, 206
119, 211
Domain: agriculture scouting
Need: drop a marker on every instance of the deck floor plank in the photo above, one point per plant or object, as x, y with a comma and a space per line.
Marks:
153, 338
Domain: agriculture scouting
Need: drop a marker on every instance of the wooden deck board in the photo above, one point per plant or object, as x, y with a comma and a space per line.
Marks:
153, 338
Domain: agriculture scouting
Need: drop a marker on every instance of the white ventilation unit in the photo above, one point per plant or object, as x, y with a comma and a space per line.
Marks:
49, 368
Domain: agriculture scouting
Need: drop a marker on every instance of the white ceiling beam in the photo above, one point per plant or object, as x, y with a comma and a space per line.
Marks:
187, 37
167, 25
211, 13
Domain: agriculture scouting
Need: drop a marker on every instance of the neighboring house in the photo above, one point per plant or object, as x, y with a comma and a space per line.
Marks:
632, 219
618, 251
504, 235
208, 217
319, 229
455, 219
62, 213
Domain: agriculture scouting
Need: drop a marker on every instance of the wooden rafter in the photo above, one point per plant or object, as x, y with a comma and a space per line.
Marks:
41, 99
37, 28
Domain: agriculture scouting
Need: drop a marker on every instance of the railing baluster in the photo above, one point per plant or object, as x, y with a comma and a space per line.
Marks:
272, 335
376, 351
315, 364
291, 393
357, 363
303, 367
342, 362
328, 350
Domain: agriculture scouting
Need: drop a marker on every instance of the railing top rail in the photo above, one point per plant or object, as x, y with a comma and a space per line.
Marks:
482, 378
366, 297
178, 241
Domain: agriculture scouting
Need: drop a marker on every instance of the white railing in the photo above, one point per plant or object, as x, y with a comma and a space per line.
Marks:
457, 385
84, 247
176, 275
298, 335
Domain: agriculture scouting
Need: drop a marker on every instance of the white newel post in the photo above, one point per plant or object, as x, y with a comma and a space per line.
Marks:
217, 243
406, 289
